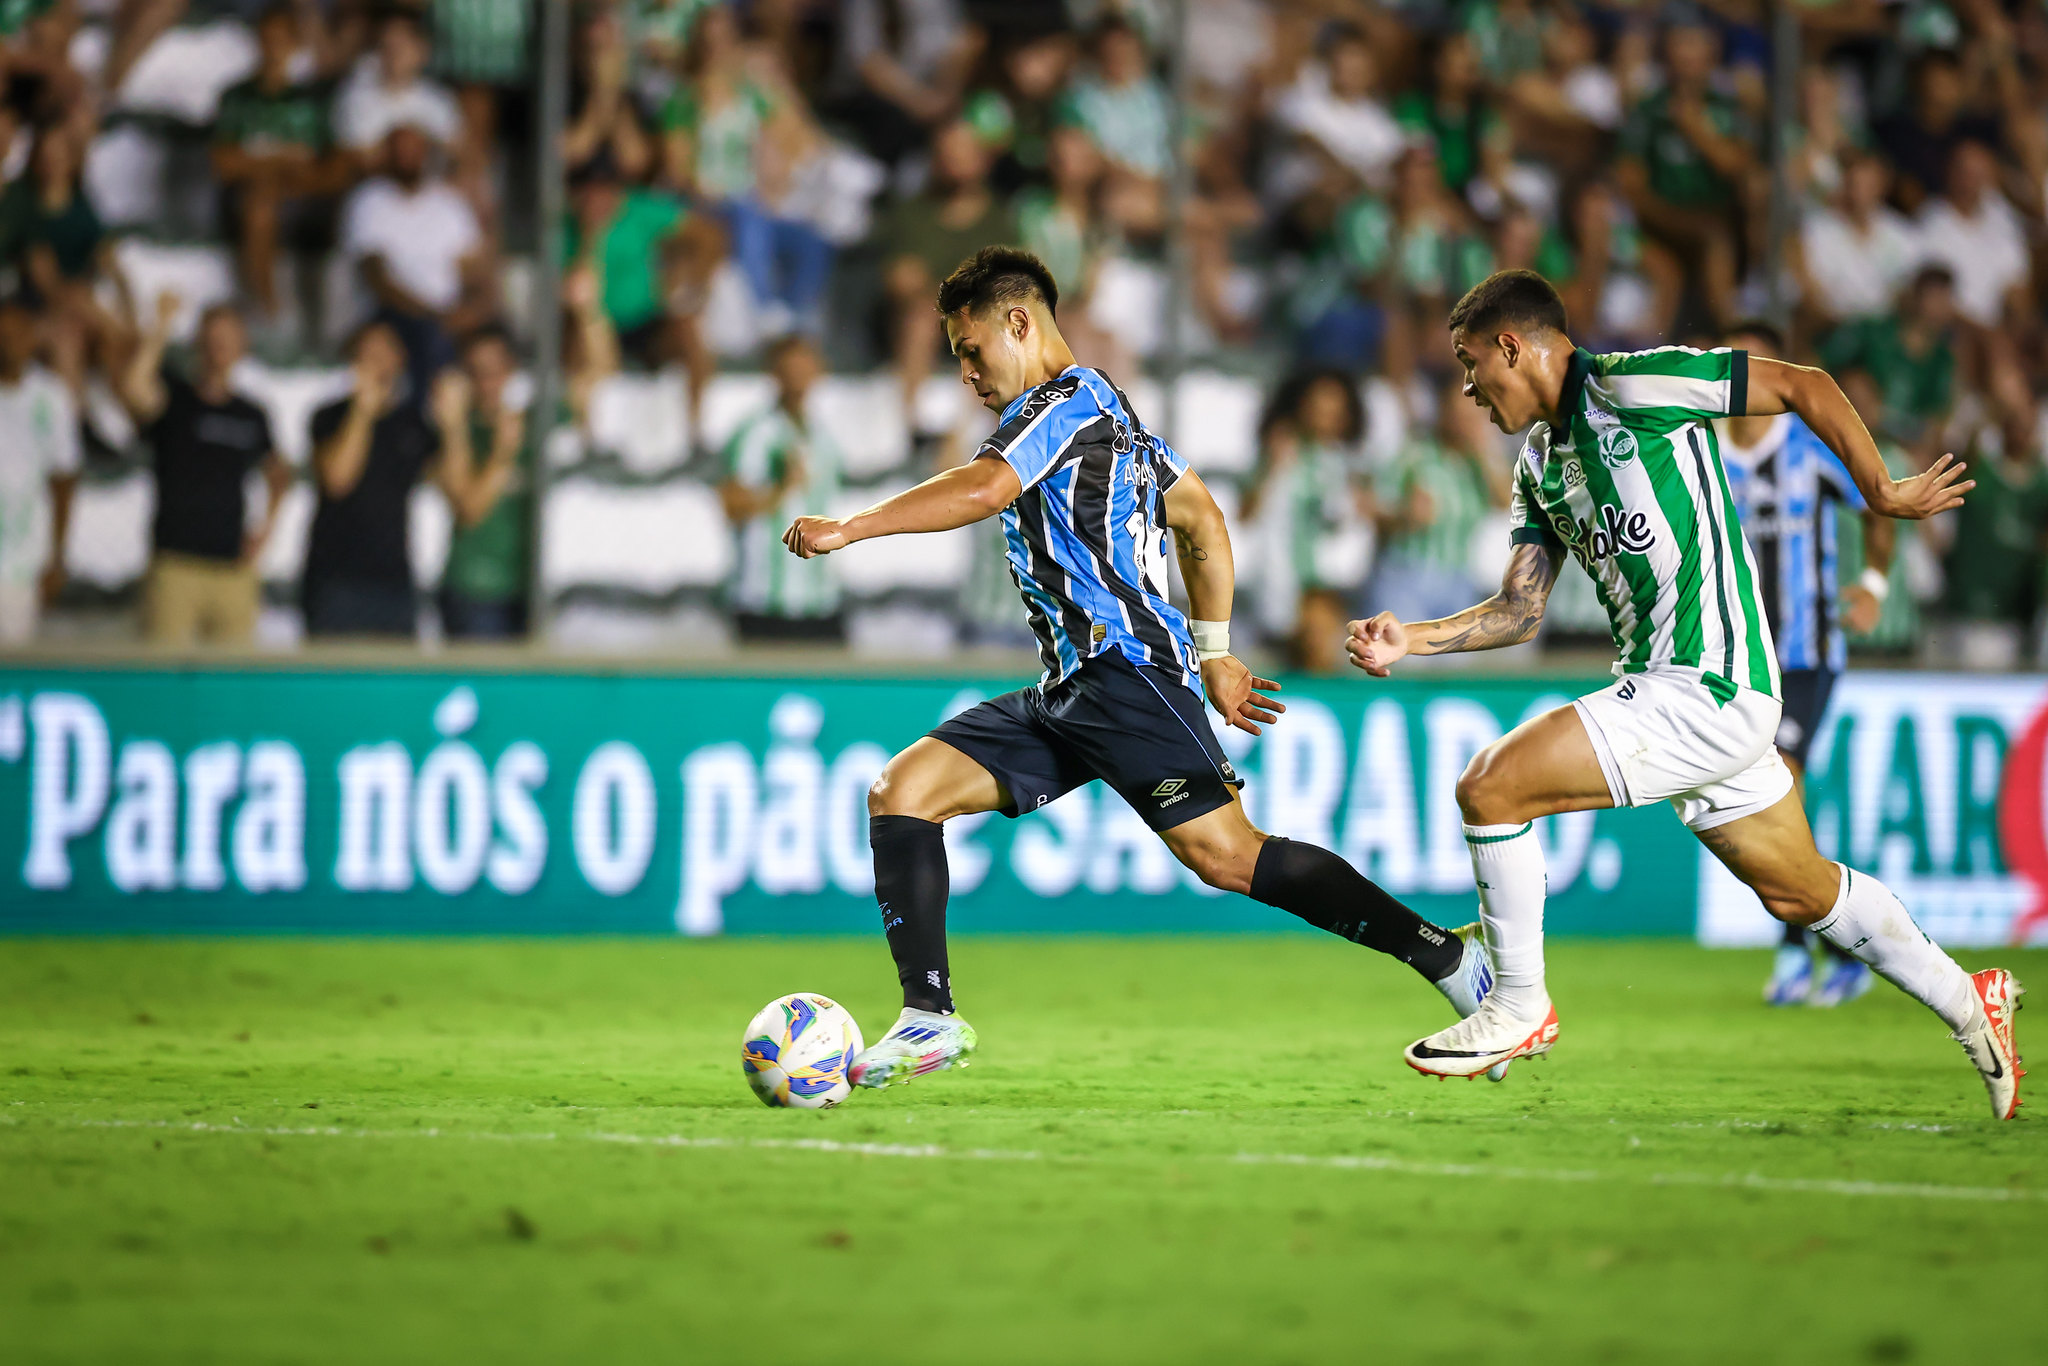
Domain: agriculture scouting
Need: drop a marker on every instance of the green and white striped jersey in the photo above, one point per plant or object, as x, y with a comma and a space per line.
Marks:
1632, 485
768, 579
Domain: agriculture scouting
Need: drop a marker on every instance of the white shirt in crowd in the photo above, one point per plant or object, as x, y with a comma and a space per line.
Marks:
366, 110
38, 439
1360, 134
1858, 273
423, 236
1987, 250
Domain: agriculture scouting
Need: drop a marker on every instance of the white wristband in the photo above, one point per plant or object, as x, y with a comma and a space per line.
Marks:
1879, 586
1212, 639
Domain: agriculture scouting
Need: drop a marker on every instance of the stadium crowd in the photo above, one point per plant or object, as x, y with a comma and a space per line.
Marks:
777, 185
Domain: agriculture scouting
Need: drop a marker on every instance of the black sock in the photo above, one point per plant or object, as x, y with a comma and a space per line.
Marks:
1330, 894
1795, 936
911, 885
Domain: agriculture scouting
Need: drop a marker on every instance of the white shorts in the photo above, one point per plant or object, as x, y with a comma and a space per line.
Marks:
1663, 737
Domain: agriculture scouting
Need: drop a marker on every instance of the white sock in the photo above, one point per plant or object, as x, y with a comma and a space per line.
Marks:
1507, 863
1870, 923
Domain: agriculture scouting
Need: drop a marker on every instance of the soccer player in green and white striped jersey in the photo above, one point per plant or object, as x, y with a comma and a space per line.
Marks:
1621, 471
778, 464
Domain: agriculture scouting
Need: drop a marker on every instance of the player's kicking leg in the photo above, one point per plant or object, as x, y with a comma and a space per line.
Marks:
1542, 767
1773, 852
923, 787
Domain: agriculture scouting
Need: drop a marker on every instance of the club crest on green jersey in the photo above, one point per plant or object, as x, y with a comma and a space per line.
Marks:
1617, 447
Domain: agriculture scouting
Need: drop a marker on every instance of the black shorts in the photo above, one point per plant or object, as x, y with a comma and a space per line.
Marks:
1806, 701
1132, 726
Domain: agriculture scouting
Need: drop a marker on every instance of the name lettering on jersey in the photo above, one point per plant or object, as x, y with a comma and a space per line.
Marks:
1617, 447
1618, 533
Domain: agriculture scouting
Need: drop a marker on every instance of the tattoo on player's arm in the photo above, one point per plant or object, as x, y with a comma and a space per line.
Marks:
1510, 616
1188, 549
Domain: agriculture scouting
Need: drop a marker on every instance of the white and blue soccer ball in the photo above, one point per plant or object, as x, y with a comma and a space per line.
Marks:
796, 1052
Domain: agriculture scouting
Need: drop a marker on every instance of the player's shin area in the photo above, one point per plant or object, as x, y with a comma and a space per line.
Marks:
931, 782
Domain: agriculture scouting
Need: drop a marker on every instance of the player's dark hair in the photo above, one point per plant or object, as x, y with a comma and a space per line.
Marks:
998, 277
1763, 330
1519, 299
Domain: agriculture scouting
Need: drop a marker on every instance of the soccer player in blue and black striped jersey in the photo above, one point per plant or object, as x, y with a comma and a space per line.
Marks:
1788, 486
1090, 502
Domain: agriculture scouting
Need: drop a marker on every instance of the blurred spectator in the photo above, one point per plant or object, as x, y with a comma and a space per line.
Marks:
1857, 253
1910, 355
1921, 139
391, 90
1062, 225
1451, 114
369, 450
779, 465
604, 126
39, 461
1019, 110
654, 259
1126, 110
1686, 152
741, 143
481, 46
1572, 103
486, 472
905, 64
929, 234
421, 255
1335, 105
1608, 293
1432, 500
205, 439
1311, 517
273, 153
1975, 231
66, 257
1997, 539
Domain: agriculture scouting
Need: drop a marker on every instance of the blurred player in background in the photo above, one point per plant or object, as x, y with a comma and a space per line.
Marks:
1088, 498
1621, 468
1788, 486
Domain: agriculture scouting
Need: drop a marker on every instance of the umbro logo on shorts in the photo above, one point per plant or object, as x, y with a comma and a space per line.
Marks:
1171, 791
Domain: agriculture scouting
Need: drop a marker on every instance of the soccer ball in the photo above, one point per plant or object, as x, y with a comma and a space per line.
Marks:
796, 1052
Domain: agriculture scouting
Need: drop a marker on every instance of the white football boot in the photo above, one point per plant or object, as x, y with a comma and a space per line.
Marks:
1988, 1039
1487, 1038
920, 1041
1468, 984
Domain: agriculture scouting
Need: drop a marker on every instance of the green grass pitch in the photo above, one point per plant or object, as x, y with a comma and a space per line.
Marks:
1172, 1150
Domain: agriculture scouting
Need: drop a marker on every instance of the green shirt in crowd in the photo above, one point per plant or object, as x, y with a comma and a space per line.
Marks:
73, 233
1457, 133
724, 137
259, 121
1917, 389
1995, 562
491, 561
1458, 491
483, 42
768, 579
629, 254
912, 227
1679, 173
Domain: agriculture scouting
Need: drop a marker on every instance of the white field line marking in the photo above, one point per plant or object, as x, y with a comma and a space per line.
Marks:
1889, 1190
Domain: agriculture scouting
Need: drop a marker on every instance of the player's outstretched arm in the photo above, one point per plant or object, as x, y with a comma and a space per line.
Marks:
1776, 386
957, 498
1509, 617
1201, 539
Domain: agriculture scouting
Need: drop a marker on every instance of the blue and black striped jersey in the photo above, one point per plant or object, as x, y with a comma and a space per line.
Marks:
1787, 488
1088, 539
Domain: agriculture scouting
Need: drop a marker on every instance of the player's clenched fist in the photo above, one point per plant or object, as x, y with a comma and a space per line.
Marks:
811, 536
1376, 643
